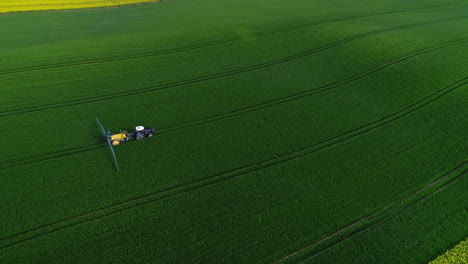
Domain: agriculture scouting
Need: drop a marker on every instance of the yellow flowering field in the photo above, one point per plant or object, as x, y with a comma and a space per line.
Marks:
457, 255
31, 5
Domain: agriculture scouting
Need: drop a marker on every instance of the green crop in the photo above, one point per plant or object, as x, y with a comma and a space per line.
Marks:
457, 255
290, 131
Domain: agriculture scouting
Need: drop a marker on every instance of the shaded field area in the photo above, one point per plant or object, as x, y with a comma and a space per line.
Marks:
316, 132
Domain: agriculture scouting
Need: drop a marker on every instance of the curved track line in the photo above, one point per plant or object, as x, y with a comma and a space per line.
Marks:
312, 91
224, 176
210, 43
50, 155
462, 174
380, 212
217, 75
237, 112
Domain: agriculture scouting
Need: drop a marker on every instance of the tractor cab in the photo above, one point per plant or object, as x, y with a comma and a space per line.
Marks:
142, 132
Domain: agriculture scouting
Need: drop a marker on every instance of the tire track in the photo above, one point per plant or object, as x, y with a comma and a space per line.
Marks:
380, 212
210, 43
312, 91
237, 112
462, 174
223, 176
218, 75
50, 155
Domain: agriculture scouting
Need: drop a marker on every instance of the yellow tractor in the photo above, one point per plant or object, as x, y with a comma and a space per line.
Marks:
121, 137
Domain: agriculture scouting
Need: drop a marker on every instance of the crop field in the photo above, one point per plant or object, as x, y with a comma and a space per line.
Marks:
34, 5
456, 255
300, 131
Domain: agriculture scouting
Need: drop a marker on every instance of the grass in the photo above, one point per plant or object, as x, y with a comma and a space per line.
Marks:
276, 132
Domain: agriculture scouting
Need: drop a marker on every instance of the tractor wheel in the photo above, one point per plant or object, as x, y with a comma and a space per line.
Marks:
149, 135
139, 136
115, 142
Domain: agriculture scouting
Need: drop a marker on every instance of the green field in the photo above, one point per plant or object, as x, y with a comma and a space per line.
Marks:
301, 131
456, 255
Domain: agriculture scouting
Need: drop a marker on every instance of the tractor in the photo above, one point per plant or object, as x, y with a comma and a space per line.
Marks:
115, 139
142, 132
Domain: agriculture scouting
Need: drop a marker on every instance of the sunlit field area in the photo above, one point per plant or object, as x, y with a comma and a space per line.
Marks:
32, 5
